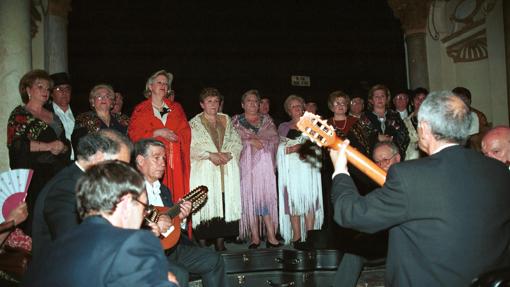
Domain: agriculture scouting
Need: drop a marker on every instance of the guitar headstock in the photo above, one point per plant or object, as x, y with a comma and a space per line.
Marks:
197, 196
317, 129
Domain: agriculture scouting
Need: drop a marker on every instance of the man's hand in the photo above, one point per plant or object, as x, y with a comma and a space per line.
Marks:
154, 228
172, 278
339, 159
164, 223
185, 209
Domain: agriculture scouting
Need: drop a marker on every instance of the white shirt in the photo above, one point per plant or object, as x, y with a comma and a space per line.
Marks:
403, 114
154, 193
67, 119
157, 114
475, 124
154, 197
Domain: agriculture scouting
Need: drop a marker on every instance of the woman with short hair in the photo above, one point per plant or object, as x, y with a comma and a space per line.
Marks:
215, 151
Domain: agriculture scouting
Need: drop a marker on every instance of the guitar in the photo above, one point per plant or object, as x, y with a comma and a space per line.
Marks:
324, 135
197, 198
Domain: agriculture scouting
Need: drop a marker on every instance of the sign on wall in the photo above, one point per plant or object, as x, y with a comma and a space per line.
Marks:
300, 81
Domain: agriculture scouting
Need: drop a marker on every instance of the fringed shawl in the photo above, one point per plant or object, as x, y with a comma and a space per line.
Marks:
204, 172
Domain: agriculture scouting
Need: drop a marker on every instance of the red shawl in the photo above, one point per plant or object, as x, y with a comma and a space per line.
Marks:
144, 123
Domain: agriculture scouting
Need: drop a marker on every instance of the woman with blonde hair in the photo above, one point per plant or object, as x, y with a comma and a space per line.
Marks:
35, 136
299, 178
163, 119
101, 99
378, 124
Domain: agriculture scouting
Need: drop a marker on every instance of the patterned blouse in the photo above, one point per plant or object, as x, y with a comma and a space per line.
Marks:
364, 133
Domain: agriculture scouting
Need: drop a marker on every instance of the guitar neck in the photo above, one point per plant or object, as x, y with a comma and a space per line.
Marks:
363, 163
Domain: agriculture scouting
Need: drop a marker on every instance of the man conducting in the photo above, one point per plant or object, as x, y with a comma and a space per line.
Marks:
448, 214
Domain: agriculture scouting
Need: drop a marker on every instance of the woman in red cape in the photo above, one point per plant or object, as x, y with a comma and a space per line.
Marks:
160, 118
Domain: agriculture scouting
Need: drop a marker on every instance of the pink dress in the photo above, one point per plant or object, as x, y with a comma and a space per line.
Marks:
258, 179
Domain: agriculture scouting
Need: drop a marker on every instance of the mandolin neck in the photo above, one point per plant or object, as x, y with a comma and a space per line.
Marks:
174, 210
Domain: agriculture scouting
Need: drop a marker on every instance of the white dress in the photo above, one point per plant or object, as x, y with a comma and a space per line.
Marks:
299, 187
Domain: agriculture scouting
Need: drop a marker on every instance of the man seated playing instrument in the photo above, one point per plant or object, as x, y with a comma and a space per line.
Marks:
184, 257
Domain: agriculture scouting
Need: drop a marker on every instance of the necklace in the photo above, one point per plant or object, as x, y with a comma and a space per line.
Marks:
337, 124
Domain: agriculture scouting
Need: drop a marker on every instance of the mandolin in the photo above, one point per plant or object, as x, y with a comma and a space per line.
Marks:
324, 135
197, 197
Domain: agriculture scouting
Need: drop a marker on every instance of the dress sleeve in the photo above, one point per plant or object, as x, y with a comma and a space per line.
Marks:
17, 140
140, 124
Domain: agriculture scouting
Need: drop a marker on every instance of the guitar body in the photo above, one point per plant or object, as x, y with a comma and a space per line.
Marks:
168, 240
197, 197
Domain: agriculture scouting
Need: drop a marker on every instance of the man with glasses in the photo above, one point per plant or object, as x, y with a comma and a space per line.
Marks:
185, 256
61, 97
447, 213
107, 248
401, 104
357, 107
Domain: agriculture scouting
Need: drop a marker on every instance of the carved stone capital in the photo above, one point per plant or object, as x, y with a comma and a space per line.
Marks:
59, 7
413, 14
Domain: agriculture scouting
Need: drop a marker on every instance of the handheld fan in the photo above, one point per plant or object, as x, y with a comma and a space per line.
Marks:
13, 189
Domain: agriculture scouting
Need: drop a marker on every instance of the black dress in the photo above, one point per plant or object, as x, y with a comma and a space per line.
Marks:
22, 128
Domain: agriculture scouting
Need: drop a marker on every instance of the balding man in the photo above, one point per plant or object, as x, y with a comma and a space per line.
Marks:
55, 210
447, 213
496, 144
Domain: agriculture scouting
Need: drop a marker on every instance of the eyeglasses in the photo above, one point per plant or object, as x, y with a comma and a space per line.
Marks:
146, 208
105, 97
340, 104
385, 161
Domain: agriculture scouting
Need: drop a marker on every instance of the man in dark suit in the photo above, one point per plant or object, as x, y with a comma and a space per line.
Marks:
448, 214
185, 257
107, 248
55, 209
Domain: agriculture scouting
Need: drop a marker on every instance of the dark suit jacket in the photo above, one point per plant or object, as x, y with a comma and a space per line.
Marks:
448, 214
98, 254
55, 210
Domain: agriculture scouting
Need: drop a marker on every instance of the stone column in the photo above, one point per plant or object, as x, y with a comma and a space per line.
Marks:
56, 36
15, 61
413, 15
417, 60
